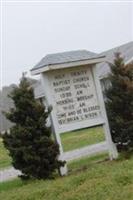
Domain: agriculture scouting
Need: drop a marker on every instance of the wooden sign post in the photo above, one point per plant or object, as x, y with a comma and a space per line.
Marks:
76, 97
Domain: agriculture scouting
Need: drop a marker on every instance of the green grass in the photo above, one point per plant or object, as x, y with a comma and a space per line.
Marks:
70, 141
5, 160
97, 179
8, 185
91, 178
82, 138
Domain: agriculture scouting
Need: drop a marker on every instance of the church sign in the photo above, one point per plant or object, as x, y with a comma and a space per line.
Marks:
72, 87
74, 99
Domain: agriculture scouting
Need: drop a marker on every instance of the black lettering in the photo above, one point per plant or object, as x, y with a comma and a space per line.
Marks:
84, 98
78, 73
62, 89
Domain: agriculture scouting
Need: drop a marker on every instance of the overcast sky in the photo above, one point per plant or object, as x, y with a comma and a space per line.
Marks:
32, 30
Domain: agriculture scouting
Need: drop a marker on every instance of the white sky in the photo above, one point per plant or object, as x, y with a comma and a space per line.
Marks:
32, 30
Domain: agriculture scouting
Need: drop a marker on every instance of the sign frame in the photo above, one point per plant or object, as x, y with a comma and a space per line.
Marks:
108, 145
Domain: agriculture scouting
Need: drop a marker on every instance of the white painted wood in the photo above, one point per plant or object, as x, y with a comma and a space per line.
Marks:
84, 118
85, 151
111, 146
97, 100
45, 84
81, 125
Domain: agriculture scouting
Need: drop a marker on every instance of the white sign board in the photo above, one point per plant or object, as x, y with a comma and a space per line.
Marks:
74, 99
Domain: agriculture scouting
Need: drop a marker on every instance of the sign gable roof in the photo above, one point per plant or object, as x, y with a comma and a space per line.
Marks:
64, 57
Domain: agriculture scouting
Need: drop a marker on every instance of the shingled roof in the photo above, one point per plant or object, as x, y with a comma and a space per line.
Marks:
83, 55
65, 57
126, 51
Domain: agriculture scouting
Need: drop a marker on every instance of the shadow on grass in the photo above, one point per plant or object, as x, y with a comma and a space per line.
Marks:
83, 164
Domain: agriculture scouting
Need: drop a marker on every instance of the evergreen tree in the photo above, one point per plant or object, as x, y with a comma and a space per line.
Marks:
29, 143
119, 103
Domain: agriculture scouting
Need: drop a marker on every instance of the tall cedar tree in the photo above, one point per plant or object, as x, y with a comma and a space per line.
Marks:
29, 143
119, 103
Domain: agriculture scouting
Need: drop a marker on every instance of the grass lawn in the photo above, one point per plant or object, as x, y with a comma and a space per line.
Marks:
76, 139
71, 140
5, 160
90, 179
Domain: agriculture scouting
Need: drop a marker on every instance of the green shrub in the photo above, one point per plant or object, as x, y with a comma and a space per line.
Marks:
119, 103
30, 143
